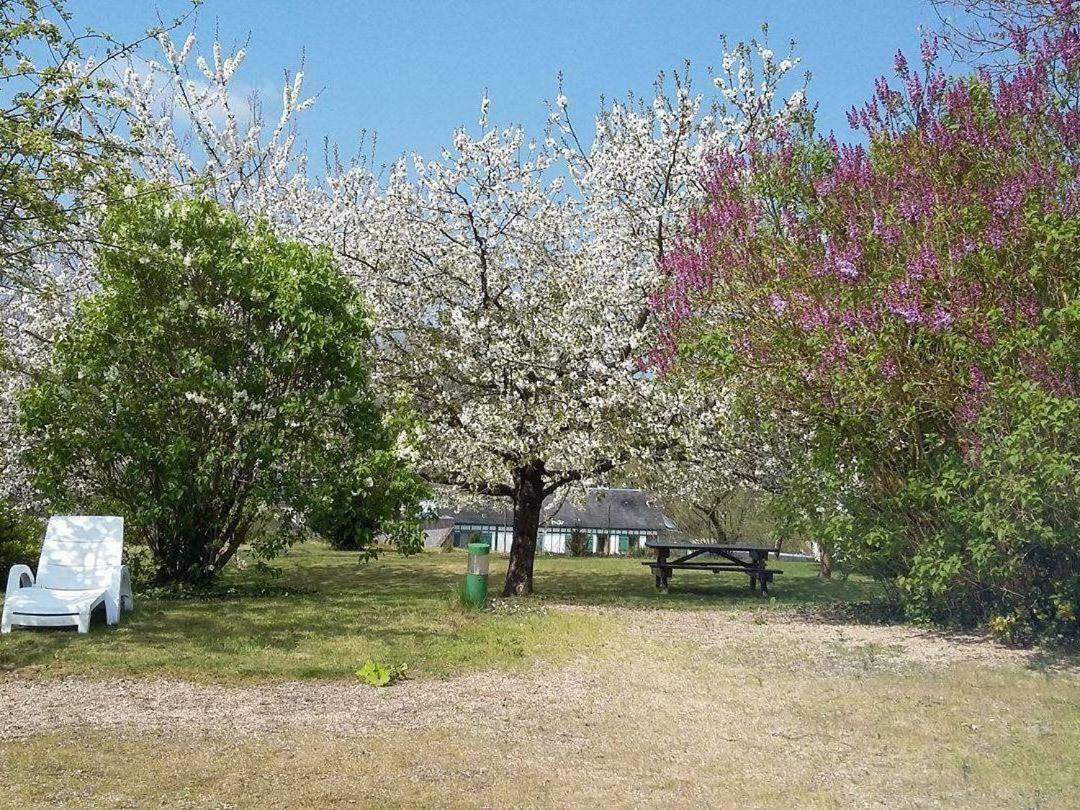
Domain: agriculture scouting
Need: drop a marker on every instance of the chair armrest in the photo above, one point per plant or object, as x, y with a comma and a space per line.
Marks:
19, 576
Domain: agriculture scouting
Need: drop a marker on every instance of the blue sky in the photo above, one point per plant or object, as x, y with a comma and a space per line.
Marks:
413, 71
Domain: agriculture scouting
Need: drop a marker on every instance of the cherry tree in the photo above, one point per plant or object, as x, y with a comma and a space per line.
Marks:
515, 338
511, 282
510, 279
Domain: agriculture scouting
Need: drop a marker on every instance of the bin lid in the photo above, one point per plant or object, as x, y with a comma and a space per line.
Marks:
479, 548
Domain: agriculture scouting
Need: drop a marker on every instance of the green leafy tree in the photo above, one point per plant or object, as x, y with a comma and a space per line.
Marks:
19, 535
198, 391
371, 492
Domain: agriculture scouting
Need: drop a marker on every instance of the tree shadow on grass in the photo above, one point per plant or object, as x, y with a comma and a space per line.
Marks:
326, 607
403, 611
622, 583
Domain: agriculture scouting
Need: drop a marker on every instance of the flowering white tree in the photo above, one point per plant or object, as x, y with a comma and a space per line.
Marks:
514, 309
509, 279
515, 338
641, 175
194, 129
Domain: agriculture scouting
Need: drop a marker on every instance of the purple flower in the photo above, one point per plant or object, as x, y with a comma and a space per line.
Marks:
940, 319
935, 85
915, 89
889, 368
983, 336
929, 48
779, 305
1030, 308
975, 398
846, 269
881, 89
924, 265
902, 301
900, 64
908, 310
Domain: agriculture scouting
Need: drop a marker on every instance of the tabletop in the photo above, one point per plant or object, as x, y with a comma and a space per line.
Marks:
681, 545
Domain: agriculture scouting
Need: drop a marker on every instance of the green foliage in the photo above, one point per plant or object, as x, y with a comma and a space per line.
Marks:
369, 491
728, 514
374, 673
577, 545
1004, 542
20, 537
197, 391
43, 148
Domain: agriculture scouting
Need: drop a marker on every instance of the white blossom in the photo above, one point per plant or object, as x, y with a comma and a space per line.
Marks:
508, 279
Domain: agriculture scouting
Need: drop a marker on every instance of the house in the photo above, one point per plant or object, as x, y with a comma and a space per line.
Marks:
608, 521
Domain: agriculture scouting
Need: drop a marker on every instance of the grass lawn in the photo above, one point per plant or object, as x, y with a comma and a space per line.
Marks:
599, 692
394, 609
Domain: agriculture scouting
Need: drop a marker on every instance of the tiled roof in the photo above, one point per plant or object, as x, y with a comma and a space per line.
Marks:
602, 508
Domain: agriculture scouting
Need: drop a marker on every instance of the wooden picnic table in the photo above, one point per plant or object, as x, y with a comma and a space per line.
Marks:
750, 560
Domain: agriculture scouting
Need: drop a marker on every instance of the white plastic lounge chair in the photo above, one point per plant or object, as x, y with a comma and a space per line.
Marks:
79, 569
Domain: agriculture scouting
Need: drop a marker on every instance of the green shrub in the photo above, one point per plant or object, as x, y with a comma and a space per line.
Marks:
1002, 542
368, 492
20, 539
196, 393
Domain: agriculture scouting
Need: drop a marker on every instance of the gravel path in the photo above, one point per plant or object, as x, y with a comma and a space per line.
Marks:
817, 642
763, 640
341, 707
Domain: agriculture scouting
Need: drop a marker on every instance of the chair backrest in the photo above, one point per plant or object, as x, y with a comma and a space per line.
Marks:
80, 552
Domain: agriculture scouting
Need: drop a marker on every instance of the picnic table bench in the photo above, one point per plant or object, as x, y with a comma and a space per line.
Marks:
749, 560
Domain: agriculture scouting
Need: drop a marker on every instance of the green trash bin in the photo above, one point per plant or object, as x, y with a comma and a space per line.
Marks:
476, 579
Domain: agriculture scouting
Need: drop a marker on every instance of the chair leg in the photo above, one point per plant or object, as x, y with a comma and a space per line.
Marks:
5, 623
84, 621
112, 611
127, 599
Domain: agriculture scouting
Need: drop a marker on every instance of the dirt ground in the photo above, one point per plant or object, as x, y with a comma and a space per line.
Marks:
681, 708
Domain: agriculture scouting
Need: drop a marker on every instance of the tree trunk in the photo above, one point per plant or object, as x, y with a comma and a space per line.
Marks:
825, 562
528, 503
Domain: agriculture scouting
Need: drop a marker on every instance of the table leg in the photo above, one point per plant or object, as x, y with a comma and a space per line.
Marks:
761, 563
